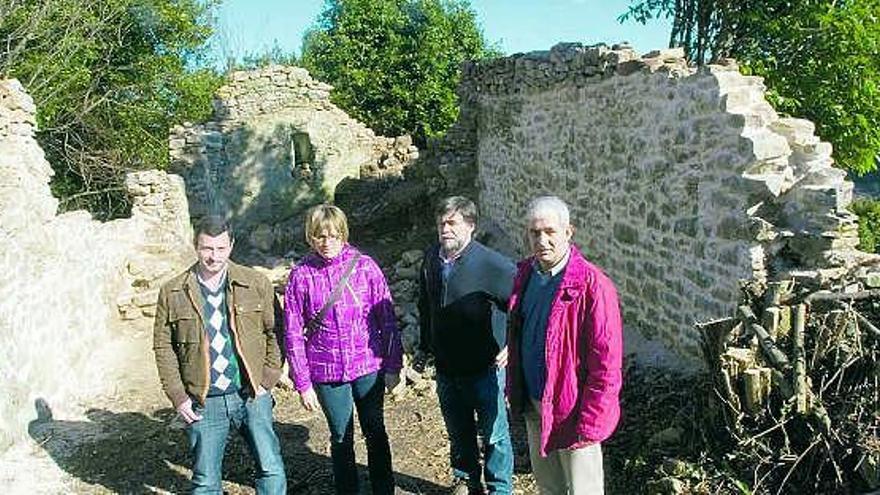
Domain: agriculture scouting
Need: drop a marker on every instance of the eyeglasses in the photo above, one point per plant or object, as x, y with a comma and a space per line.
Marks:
326, 237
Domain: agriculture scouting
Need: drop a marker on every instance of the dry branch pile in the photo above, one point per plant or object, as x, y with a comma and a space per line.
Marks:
796, 377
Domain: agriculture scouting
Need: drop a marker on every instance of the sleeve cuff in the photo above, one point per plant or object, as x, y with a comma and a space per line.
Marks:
177, 396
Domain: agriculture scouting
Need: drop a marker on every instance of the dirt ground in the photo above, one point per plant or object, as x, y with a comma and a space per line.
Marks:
131, 443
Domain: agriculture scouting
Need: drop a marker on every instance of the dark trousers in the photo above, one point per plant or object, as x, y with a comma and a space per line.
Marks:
462, 398
338, 400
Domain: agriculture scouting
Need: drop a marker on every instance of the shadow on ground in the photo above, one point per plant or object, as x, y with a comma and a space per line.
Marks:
132, 452
126, 452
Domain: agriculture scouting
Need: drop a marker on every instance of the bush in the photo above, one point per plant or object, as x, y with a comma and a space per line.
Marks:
109, 78
868, 211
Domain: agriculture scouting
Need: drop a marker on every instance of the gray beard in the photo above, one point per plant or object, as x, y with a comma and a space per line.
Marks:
451, 247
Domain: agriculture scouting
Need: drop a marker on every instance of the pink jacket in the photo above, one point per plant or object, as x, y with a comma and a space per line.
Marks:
584, 351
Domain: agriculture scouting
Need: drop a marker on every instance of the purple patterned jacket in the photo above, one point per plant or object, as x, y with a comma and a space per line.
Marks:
359, 334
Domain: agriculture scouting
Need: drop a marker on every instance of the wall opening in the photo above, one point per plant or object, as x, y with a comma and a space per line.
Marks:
302, 155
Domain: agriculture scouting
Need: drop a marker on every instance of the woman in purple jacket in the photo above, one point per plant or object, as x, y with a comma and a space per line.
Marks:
343, 345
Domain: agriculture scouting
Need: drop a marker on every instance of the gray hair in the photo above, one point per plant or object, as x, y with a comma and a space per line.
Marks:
548, 204
457, 204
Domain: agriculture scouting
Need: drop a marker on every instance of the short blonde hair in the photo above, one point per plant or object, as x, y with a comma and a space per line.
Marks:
326, 217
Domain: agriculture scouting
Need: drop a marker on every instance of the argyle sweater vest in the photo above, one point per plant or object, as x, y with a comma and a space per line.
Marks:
225, 372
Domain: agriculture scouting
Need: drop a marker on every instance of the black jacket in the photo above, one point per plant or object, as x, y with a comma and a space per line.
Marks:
463, 322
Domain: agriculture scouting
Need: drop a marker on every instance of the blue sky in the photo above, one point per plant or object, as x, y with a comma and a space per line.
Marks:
255, 26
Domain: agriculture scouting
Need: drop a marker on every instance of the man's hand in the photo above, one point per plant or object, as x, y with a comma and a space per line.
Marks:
309, 400
185, 410
581, 444
392, 380
501, 358
419, 361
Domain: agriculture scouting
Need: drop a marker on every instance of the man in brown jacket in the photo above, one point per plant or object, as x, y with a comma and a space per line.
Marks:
218, 357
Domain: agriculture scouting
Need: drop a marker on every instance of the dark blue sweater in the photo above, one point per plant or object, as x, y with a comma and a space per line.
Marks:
463, 319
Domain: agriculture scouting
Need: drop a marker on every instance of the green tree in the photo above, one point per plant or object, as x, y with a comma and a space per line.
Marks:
257, 59
394, 64
109, 78
820, 59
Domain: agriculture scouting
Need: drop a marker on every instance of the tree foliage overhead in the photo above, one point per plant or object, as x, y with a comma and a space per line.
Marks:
109, 77
394, 64
820, 59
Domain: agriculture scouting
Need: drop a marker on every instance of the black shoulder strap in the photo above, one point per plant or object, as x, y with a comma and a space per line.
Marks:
316, 322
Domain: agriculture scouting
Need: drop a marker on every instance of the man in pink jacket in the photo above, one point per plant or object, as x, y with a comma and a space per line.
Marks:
565, 343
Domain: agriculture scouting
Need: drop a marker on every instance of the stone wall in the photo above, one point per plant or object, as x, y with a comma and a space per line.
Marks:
276, 145
62, 274
683, 183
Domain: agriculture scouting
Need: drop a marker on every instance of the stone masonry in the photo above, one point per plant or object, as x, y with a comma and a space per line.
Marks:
684, 184
276, 145
61, 276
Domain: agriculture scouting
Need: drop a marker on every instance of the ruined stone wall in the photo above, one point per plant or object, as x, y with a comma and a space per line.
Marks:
276, 145
61, 276
682, 182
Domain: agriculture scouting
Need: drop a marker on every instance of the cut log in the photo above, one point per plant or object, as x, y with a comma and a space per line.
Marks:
784, 322
733, 409
773, 354
800, 363
756, 388
736, 360
841, 296
771, 321
778, 292
714, 337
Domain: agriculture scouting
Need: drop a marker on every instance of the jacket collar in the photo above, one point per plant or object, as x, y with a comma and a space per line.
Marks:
237, 275
574, 273
471, 245
316, 260
556, 269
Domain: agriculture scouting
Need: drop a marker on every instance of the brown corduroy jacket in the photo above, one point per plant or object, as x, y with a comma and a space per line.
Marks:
180, 341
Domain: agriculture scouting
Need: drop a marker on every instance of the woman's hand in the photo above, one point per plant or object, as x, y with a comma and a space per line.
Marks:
309, 400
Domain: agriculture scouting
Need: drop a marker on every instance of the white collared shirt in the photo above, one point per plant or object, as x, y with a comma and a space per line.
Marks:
211, 287
555, 269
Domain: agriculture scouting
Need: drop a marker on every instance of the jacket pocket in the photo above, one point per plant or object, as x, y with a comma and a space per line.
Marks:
186, 342
569, 295
249, 315
184, 329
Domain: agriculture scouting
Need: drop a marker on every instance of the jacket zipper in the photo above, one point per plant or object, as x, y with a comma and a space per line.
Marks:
332, 308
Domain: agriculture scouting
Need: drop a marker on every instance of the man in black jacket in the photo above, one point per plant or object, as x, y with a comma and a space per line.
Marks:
464, 288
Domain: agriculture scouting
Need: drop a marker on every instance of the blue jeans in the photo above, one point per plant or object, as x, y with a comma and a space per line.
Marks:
338, 401
207, 442
482, 395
